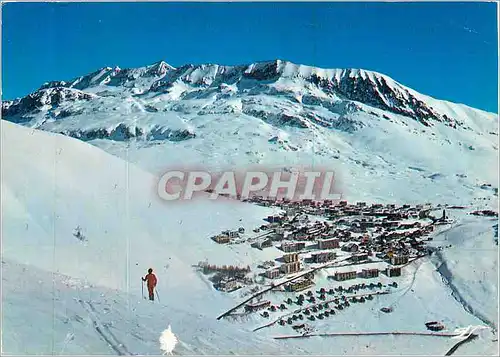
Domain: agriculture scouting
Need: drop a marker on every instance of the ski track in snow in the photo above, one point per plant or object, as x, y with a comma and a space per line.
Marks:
103, 330
447, 277
440, 262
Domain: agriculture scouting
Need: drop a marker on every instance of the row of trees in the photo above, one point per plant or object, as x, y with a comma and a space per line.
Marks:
228, 269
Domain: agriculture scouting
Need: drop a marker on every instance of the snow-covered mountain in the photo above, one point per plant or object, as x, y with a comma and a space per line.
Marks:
372, 130
340, 91
84, 295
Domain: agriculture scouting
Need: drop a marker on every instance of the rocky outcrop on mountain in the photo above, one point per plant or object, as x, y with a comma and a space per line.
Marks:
35, 101
122, 132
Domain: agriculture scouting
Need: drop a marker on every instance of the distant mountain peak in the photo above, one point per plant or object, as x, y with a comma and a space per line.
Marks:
159, 68
270, 78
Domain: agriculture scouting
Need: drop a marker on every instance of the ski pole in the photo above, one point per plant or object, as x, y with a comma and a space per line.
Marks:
158, 296
142, 288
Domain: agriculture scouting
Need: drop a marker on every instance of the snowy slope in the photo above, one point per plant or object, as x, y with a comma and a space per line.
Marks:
47, 271
470, 265
64, 314
127, 231
114, 203
63, 311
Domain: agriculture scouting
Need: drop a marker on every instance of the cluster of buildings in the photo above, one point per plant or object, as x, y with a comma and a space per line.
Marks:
390, 233
385, 237
299, 285
369, 273
228, 235
291, 264
330, 208
290, 247
228, 284
328, 243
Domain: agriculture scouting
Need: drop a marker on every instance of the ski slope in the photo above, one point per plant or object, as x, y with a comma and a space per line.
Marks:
470, 265
85, 297
128, 228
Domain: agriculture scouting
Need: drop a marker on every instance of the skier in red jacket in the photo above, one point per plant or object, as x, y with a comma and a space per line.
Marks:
151, 283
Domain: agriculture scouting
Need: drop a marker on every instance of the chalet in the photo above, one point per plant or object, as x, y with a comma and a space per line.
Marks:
231, 234
361, 204
343, 203
327, 234
408, 225
299, 236
345, 233
290, 247
315, 230
273, 273
345, 275
274, 219
221, 239
393, 271
352, 212
257, 306
434, 326
277, 236
229, 285
323, 257
290, 258
369, 273
262, 244
359, 257
289, 268
399, 259
351, 247
331, 243
298, 285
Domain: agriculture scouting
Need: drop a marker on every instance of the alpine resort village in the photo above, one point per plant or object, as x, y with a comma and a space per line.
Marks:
325, 257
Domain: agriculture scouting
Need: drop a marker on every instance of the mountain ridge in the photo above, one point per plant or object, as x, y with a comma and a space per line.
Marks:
360, 85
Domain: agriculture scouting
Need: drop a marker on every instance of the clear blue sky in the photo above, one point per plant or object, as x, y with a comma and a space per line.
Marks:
446, 50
